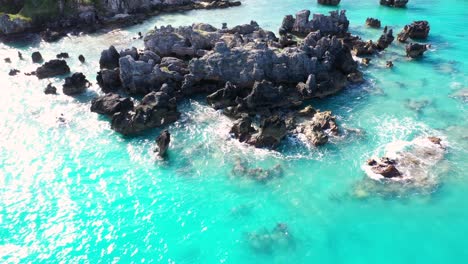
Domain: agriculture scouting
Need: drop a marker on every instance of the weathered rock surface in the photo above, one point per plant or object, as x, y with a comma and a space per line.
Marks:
373, 22
50, 89
109, 80
162, 142
137, 76
109, 58
394, 3
75, 84
329, 2
386, 39
52, 68
243, 129
110, 104
156, 109
416, 30
414, 50
317, 128
335, 24
37, 57
272, 131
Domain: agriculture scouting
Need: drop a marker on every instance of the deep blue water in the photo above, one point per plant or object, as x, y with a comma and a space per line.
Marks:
80, 193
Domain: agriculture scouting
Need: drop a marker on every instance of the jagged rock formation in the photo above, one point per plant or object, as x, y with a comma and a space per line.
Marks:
329, 2
373, 22
394, 3
414, 50
52, 68
416, 30
162, 141
245, 70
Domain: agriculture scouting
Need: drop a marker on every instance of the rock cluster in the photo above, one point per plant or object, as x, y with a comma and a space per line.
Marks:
414, 50
335, 24
329, 2
394, 3
416, 30
75, 84
373, 22
52, 68
245, 70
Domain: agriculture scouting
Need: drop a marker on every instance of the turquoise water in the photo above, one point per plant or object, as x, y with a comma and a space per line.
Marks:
77, 192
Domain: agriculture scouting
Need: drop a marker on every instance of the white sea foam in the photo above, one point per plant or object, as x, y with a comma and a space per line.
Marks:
415, 161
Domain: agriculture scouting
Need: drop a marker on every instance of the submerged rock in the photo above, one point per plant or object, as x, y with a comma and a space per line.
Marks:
110, 104
410, 162
75, 84
162, 142
267, 241
414, 50
242, 169
52, 68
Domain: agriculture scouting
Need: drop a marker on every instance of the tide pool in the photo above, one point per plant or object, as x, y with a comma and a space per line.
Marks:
77, 192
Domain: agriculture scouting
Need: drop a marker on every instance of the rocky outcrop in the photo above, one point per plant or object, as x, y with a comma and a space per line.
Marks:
225, 97
243, 129
12, 24
75, 84
335, 24
394, 3
110, 104
386, 39
162, 142
156, 109
52, 68
329, 2
416, 30
373, 22
272, 131
136, 76
316, 126
414, 50
385, 167
13, 72
63, 55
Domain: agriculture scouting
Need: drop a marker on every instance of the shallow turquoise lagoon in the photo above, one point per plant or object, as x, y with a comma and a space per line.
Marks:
80, 193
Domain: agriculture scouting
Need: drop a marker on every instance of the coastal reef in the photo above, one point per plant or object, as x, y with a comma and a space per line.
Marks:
247, 72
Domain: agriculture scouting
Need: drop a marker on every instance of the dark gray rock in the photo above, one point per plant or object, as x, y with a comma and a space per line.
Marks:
81, 58
63, 55
133, 52
110, 104
335, 24
13, 72
137, 77
394, 3
162, 142
272, 131
75, 84
52, 68
416, 30
386, 39
373, 22
50, 89
109, 58
109, 80
37, 57
329, 2
155, 110
242, 129
414, 50
225, 97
